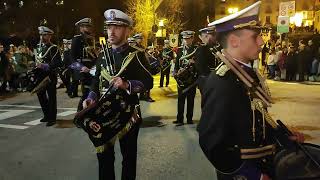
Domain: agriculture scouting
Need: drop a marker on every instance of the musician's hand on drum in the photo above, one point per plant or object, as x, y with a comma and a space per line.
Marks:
119, 83
297, 136
85, 69
87, 102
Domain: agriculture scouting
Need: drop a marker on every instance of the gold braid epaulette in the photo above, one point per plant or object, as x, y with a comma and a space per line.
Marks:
222, 69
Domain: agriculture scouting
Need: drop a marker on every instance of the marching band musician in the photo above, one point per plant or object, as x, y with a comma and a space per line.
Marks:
187, 50
133, 79
144, 96
84, 58
50, 58
167, 56
67, 61
205, 61
233, 133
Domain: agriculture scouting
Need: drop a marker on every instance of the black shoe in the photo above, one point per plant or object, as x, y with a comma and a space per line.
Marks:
166, 85
176, 122
189, 122
51, 123
149, 99
43, 120
73, 96
179, 124
160, 86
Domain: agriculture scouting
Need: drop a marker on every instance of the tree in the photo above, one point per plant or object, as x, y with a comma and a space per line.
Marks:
172, 11
143, 14
147, 13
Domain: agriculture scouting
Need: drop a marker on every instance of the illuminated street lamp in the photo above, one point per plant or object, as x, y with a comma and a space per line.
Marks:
233, 10
297, 19
162, 31
20, 4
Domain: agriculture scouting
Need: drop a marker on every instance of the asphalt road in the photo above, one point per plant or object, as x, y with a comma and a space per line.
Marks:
30, 150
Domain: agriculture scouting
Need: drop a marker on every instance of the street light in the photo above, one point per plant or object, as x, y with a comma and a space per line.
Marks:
161, 23
233, 10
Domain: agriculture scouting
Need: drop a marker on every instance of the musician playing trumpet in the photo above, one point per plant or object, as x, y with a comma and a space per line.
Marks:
48, 59
126, 66
236, 133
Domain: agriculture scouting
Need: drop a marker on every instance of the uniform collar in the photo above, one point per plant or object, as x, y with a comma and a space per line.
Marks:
121, 48
244, 64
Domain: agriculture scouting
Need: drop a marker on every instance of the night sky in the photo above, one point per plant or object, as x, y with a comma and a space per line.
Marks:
23, 22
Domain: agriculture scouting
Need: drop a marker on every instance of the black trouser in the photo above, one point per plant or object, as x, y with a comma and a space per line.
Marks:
128, 146
165, 73
86, 80
48, 100
68, 75
201, 84
75, 82
189, 95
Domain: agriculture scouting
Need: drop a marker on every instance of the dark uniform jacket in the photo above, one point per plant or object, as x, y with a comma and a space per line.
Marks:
179, 64
53, 58
227, 121
78, 54
135, 72
205, 61
67, 58
167, 56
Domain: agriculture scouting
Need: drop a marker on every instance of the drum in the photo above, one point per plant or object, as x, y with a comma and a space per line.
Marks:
295, 165
105, 119
38, 79
186, 76
155, 65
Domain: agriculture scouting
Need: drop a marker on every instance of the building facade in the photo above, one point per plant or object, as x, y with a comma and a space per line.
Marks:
269, 12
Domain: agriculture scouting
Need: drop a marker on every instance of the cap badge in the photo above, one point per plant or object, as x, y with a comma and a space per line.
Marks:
112, 15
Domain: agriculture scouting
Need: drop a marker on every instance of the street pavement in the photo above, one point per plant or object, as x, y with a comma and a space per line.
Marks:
30, 150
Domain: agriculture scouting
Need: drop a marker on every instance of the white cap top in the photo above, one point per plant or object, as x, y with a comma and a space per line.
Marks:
44, 30
117, 17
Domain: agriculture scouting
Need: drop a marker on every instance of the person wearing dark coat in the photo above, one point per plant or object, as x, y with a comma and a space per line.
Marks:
133, 79
83, 58
302, 59
291, 64
185, 60
146, 95
67, 72
233, 135
51, 60
205, 60
167, 56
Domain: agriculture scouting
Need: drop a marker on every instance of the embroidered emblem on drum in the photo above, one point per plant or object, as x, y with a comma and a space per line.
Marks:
239, 177
94, 126
112, 15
